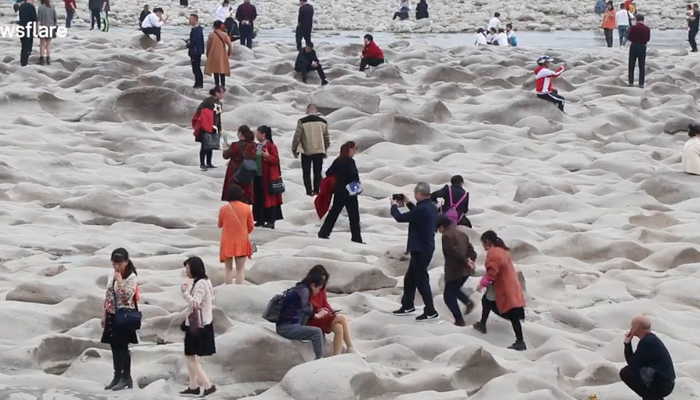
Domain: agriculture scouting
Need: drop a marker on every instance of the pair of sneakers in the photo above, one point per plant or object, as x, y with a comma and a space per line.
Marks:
426, 316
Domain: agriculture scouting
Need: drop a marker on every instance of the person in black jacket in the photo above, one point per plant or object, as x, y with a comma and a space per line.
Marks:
144, 14
307, 61
422, 10
458, 192
95, 10
305, 23
422, 224
195, 46
345, 171
27, 19
246, 14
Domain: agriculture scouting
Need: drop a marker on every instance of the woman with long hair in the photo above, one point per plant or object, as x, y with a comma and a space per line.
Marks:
505, 298
199, 341
332, 321
296, 308
345, 171
46, 16
122, 292
219, 50
609, 22
238, 152
236, 221
267, 207
207, 120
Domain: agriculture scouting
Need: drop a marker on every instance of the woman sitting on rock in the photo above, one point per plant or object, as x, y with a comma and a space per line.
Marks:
332, 321
267, 207
199, 340
504, 295
691, 151
122, 293
297, 307
236, 221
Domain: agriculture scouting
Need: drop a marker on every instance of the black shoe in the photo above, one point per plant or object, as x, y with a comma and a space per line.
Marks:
202, 167
209, 391
48, 60
198, 87
123, 384
191, 391
41, 60
519, 345
460, 323
323, 237
641, 86
404, 311
209, 166
117, 378
303, 81
359, 241
269, 225
324, 82
479, 327
259, 224
425, 316
469, 308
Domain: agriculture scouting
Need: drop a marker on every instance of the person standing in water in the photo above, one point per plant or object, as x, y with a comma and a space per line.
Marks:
70, 11
27, 18
195, 49
219, 49
639, 36
207, 120
609, 22
305, 23
246, 14
95, 9
46, 16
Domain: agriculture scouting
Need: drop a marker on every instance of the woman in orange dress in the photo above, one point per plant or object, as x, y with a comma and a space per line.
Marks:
332, 321
244, 149
236, 219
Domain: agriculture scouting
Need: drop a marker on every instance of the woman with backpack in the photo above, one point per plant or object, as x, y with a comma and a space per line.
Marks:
242, 168
504, 295
268, 185
236, 223
459, 266
456, 201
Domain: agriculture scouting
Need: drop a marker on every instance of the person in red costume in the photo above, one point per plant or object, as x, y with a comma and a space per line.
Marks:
332, 321
371, 54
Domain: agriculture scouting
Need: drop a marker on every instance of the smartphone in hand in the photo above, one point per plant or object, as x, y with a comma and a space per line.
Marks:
400, 199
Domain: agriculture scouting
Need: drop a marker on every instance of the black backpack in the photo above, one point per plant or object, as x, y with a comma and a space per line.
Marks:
247, 170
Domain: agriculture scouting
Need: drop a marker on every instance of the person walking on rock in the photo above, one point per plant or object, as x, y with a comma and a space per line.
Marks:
236, 223
267, 207
544, 81
422, 222
459, 265
649, 371
27, 18
219, 50
195, 49
639, 36
312, 136
71, 6
622, 21
693, 26
345, 194
121, 293
504, 295
198, 293
207, 120
307, 61
305, 23
609, 22
246, 14
241, 169
46, 16
372, 55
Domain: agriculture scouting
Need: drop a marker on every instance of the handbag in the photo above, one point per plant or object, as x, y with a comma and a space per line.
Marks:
126, 319
195, 318
211, 141
277, 186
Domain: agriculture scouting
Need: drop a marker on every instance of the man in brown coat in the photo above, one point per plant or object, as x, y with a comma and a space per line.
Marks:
459, 265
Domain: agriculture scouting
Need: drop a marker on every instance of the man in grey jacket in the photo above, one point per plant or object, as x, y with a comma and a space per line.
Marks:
312, 135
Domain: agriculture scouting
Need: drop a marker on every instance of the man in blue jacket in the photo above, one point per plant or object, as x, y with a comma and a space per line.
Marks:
422, 221
195, 46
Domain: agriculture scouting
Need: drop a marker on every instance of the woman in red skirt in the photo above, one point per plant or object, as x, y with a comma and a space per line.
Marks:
332, 322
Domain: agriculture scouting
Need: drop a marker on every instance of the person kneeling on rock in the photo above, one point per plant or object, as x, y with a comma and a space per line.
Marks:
308, 61
372, 55
544, 81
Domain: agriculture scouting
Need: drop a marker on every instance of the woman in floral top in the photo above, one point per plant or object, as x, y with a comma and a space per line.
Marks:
122, 286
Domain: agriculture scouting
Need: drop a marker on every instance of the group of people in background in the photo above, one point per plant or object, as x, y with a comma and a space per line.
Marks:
403, 10
46, 23
495, 34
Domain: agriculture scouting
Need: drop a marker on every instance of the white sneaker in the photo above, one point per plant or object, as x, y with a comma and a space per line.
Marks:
352, 350
161, 42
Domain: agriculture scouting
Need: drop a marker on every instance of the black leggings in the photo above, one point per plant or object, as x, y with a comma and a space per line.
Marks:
121, 358
205, 153
95, 17
364, 62
554, 97
488, 306
608, 36
220, 80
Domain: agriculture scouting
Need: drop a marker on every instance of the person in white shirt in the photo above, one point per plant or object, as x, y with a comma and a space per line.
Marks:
152, 23
491, 36
622, 21
512, 39
198, 324
223, 12
501, 38
404, 7
480, 38
691, 151
495, 22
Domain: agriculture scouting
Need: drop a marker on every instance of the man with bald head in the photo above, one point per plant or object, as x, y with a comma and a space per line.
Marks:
649, 371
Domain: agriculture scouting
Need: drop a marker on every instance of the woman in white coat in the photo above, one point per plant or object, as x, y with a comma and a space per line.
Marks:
199, 338
691, 151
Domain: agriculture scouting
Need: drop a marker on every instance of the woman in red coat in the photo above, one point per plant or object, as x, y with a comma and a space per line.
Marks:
243, 149
332, 321
267, 207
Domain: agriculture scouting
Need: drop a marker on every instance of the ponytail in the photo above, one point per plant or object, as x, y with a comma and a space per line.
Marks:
492, 237
345, 149
216, 89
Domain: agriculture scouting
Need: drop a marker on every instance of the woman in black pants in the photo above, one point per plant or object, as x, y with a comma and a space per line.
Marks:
121, 293
345, 172
206, 120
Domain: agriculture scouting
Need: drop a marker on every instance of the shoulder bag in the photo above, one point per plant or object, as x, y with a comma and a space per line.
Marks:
277, 185
126, 319
245, 173
195, 318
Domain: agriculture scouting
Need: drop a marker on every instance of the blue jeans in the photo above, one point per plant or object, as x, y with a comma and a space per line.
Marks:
452, 293
69, 17
622, 30
303, 332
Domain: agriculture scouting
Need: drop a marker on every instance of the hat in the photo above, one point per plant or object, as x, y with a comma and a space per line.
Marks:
120, 255
544, 59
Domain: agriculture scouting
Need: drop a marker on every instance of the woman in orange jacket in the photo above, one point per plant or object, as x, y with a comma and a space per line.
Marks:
236, 221
609, 23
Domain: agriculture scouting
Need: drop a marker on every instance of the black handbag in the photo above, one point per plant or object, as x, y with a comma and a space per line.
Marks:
211, 141
126, 319
277, 186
